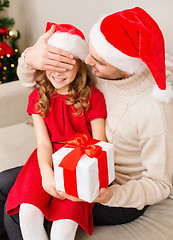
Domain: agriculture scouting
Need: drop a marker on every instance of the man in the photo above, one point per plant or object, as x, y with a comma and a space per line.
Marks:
127, 54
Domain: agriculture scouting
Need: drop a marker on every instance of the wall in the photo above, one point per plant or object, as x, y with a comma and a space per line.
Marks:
31, 16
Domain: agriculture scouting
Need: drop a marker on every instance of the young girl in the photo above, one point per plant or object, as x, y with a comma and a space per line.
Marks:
64, 103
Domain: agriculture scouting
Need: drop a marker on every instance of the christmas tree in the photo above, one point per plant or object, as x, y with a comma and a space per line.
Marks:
9, 52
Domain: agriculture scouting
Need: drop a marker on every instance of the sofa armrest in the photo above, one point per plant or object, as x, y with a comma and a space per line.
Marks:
13, 103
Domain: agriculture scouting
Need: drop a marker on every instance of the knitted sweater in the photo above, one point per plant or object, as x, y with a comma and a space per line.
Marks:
141, 130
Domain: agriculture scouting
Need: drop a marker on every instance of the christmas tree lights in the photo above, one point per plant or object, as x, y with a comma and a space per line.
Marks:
9, 51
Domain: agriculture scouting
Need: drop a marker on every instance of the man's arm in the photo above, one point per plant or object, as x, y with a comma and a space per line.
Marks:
26, 74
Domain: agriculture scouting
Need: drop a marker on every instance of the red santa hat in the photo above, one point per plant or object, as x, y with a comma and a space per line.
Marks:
130, 40
69, 38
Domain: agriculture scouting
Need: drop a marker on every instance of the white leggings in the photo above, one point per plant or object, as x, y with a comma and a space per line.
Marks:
31, 223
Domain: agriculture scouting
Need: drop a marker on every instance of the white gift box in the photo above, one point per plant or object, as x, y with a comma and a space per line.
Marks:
87, 171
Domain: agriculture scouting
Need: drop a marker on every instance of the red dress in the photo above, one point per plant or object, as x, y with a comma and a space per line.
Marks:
62, 124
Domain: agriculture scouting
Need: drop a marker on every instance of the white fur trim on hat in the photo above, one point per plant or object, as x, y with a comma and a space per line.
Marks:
163, 95
70, 43
112, 55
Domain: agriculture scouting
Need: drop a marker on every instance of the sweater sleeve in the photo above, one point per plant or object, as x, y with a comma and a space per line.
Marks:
156, 157
156, 182
26, 74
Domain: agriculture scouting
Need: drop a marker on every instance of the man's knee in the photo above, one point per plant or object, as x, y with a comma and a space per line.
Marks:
12, 227
7, 179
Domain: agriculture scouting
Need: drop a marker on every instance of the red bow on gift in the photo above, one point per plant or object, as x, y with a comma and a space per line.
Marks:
82, 143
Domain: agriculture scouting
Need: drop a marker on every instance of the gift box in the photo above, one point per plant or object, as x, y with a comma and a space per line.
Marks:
83, 166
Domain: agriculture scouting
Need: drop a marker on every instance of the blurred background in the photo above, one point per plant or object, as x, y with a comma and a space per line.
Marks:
31, 16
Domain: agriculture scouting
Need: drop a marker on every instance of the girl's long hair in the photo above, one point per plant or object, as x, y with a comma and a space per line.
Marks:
79, 89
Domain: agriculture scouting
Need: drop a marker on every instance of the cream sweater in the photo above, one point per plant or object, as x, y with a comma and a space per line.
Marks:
141, 130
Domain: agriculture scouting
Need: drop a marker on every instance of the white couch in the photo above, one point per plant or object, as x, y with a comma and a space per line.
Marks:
16, 136
17, 141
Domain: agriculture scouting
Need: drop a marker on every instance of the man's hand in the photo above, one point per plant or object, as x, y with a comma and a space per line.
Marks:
104, 196
43, 56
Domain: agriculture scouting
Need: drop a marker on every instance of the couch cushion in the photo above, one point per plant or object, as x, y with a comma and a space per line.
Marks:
155, 224
13, 103
16, 144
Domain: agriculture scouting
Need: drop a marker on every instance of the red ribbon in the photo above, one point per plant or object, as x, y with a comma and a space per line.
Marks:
82, 143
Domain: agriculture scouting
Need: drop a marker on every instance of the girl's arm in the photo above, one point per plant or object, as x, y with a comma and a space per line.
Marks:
98, 129
44, 153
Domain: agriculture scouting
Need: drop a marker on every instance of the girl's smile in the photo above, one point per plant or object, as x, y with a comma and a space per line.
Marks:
61, 81
58, 79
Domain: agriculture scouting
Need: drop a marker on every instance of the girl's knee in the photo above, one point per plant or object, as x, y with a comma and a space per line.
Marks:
63, 229
29, 214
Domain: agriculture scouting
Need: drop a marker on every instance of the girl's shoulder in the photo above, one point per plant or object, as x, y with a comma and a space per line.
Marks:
95, 92
97, 105
34, 95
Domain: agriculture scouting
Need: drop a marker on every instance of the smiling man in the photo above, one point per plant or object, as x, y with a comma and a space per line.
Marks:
102, 68
128, 56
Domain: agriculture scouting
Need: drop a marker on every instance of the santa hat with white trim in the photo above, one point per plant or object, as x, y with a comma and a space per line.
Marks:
130, 40
68, 38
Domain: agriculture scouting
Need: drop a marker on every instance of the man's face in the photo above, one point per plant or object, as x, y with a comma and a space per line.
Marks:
103, 69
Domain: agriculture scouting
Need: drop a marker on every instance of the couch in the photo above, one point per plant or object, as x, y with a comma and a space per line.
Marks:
17, 141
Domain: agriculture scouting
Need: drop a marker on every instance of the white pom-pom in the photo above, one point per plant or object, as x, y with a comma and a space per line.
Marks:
163, 95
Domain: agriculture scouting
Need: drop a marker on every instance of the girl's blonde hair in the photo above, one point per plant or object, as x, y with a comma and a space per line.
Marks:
79, 89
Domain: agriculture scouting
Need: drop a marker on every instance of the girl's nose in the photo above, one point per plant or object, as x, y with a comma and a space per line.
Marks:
58, 74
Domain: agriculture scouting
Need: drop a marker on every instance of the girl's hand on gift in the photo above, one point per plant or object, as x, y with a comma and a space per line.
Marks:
48, 183
105, 195
67, 196
43, 56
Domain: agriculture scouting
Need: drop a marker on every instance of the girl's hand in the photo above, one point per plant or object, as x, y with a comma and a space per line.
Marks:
43, 56
104, 196
48, 183
65, 195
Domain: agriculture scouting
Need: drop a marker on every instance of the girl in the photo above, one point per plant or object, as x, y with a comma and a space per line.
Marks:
64, 103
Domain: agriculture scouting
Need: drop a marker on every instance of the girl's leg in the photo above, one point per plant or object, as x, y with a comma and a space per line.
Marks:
63, 229
31, 222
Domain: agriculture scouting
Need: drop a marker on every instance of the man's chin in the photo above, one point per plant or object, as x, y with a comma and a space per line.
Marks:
107, 78
99, 75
